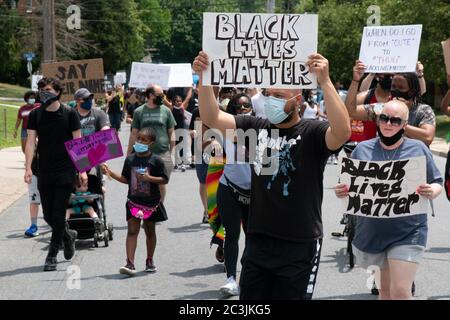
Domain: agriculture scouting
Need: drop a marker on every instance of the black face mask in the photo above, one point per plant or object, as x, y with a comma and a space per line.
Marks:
158, 100
385, 83
395, 93
389, 141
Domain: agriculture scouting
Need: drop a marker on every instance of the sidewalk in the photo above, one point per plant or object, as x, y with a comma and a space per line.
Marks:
12, 186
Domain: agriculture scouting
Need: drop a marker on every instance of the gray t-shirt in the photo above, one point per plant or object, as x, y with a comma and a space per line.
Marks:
377, 235
93, 122
236, 172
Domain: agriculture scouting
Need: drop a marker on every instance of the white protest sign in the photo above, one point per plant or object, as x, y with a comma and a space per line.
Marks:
259, 50
180, 75
120, 78
145, 74
34, 81
390, 48
384, 189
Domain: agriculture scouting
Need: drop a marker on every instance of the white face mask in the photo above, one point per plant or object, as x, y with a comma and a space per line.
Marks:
31, 101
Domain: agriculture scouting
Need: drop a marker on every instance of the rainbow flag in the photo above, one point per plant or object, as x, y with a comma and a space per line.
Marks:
215, 170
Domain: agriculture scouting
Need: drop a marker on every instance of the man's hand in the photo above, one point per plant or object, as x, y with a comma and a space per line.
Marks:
28, 176
15, 133
319, 66
201, 63
358, 70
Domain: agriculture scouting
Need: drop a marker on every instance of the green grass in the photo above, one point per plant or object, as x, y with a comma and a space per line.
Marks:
13, 103
12, 91
442, 126
11, 116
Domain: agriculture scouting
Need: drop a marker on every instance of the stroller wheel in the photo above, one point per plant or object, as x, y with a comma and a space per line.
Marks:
110, 231
106, 237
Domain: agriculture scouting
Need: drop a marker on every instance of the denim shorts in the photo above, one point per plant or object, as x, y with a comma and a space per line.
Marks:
409, 253
23, 134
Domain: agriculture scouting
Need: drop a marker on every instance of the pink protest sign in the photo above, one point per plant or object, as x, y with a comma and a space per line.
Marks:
88, 151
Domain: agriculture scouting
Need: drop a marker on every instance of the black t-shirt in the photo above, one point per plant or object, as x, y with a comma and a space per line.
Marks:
53, 129
178, 114
193, 102
144, 193
286, 199
114, 105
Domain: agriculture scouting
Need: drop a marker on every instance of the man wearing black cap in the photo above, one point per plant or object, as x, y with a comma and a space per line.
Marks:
91, 119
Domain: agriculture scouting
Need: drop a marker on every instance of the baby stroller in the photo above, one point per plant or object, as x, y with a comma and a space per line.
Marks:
83, 223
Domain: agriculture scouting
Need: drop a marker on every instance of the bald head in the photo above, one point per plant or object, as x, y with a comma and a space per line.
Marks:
396, 108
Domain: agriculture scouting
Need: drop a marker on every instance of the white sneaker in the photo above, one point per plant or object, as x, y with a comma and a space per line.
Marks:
182, 167
231, 288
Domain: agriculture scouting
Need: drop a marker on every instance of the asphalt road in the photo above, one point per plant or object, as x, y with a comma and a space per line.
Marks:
187, 268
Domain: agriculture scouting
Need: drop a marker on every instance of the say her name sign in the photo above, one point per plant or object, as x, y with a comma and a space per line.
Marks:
91, 150
384, 189
390, 48
259, 50
77, 74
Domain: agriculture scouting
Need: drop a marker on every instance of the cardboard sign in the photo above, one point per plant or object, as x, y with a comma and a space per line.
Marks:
34, 81
120, 78
89, 151
180, 75
145, 74
77, 74
446, 49
384, 189
390, 48
259, 50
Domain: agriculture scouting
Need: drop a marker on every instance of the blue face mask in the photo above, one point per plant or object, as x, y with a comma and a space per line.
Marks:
274, 109
31, 101
87, 105
140, 147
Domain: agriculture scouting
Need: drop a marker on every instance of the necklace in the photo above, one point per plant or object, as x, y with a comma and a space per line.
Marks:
386, 154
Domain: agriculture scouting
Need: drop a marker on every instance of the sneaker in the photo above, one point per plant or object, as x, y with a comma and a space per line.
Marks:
150, 266
183, 168
205, 218
69, 243
192, 165
50, 264
98, 225
32, 231
128, 269
231, 288
175, 167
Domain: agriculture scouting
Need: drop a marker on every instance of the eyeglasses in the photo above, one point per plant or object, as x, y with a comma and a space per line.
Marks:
395, 121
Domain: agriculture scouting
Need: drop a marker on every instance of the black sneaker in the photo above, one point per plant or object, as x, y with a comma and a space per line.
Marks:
192, 165
205, 218
51, 261
50, 264
150, 266
128, 269
69, 243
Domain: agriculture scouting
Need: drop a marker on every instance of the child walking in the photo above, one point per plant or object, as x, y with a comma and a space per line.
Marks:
143, 172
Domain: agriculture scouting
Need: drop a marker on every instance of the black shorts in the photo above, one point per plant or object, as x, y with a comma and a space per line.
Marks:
202, 172
158, 216
274, 269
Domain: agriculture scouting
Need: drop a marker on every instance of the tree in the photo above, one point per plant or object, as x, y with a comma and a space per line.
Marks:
116, 29
12, 32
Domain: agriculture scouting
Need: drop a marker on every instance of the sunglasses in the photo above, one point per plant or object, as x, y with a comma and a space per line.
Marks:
244, 106
395, 121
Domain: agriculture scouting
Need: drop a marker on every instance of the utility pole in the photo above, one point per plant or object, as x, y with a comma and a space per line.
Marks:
270, 6
49, 41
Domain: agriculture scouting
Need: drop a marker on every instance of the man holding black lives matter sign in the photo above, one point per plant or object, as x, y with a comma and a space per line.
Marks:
386, 184
288, 156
